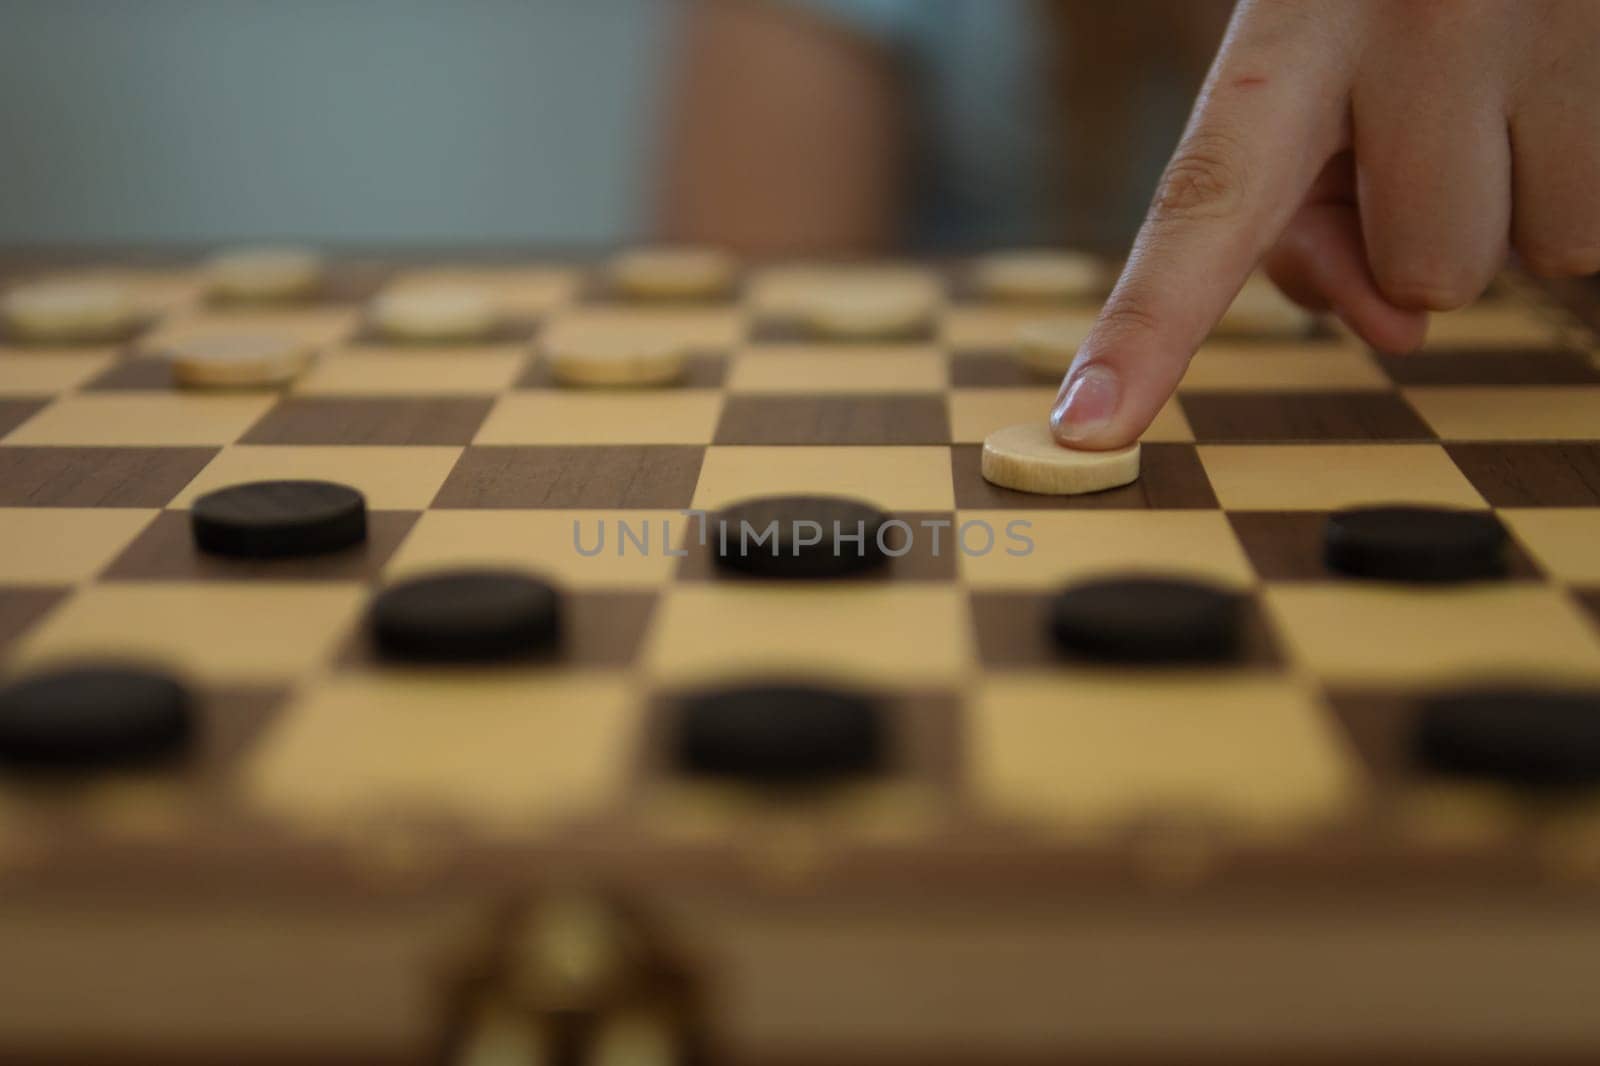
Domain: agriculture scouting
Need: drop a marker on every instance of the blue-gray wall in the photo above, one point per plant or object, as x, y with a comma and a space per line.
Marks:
358, 121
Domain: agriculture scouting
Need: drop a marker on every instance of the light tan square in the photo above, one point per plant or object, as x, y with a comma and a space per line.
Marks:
519, 290
552, 416
909, 634
217, 631
976, 413
319, 326
138, 419
852, 369
1322, 367
35, 372
580, 549
1492, 326
466, 371
898, 478
1357, 633
1058, 546
997, 326
1097, 750
1512, 412
1564, 540
1301, 477
509, 751
391, 478
691, 327
59, 545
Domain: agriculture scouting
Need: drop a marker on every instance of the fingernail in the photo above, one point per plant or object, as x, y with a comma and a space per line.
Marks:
1088, 405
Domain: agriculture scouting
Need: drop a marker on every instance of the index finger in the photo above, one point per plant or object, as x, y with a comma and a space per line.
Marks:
1270, 116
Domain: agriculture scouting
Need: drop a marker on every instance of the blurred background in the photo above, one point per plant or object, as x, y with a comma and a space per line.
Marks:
769, 124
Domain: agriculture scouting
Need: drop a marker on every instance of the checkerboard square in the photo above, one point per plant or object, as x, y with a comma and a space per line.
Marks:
1519, 412
838, 420
397, 372
1493, 326
376, 746
1105, 749
60, 545
996, 369
869, 633
129, 419
371, 420
22, 606
1234, 367
669, 416
1034, 549
220, 631
1532, 475
14, 413
621, 476
1355, 634
996, 326
392, 479
1566, 541
1170, 476
137, 373
1514, 366
1302, 416
813, 368
32, 372
898, 479
1326, 477
96, 477
578, 549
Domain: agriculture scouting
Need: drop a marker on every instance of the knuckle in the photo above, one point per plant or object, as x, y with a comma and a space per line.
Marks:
1130, 315
1203, 181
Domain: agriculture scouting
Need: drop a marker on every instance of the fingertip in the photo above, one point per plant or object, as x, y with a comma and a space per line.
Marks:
1090, 413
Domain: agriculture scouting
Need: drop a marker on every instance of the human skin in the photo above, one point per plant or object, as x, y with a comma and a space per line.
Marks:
1380, 158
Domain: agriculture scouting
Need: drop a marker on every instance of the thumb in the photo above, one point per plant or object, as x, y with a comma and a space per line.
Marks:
1271, 114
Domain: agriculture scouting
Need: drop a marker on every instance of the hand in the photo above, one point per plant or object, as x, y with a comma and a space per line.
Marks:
1377, 156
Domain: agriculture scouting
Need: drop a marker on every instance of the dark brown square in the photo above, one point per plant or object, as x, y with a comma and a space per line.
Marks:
1171, 478
653, 476
983, 369
15, 412
133, 372
896, 419
1288, 546
231, 719
371, 420
97, 477
919, 563
598, 629
1240, 417
702, 370
1380, 724
1013, 632
165, 551
1589, 600
22, 606
1532, 475
1537, 366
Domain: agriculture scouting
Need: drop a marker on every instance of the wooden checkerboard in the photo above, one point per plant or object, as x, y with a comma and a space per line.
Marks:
1092, 848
